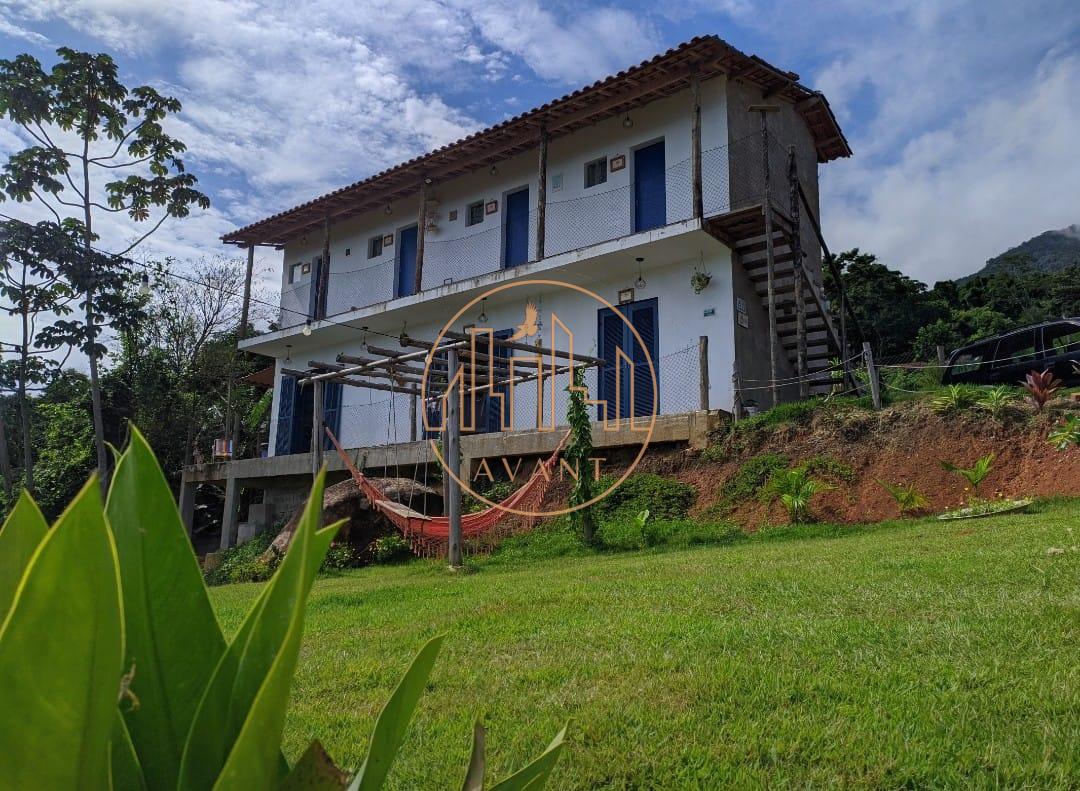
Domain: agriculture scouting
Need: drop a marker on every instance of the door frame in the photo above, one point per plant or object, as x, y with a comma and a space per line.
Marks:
633, 181
506, 221
398, 234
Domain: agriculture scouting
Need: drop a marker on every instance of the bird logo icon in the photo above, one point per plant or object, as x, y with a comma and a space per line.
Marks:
528, 327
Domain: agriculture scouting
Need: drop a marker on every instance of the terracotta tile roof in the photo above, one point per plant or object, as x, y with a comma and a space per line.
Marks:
660, 76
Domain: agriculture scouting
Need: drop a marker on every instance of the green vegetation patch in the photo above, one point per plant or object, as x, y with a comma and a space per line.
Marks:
662, 497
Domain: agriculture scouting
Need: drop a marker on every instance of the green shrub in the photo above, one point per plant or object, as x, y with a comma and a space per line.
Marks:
338, 557
829, 467
748, 480
662, 497
955, 398
630, 535
794, 488
908, 499
241, 563
202, 711
1065, 434
997, 400
556, 538
391, 548
496, 491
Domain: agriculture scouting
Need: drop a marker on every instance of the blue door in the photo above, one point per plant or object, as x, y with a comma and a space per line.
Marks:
405, 282
491, 415
516, 243
283, 435
613, 333
331, 411
650, 188
296, 413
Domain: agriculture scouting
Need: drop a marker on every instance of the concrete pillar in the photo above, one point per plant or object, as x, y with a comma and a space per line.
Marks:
187, 505
230, 515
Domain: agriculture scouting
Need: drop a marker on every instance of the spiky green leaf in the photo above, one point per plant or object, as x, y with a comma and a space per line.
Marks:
173, 638
61, 656
535, 776
23, 531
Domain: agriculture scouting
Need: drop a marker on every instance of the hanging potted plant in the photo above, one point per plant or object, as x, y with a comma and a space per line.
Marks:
699, 280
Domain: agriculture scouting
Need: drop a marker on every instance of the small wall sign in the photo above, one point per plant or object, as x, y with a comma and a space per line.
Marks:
740, 304
618, 162
388, 240
556, 182
305, 268
453, 215
491, 207
744, 320
626, 295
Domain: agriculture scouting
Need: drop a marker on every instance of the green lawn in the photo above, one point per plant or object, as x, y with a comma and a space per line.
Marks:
910, 654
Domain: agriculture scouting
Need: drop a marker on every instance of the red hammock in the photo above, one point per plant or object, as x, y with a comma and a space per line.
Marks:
428, 535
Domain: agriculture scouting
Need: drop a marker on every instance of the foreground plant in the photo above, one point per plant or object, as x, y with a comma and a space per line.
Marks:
997, 400
975, 474
112, 660
794, 489
955, 398
1065, 434
908, 499
1041, 388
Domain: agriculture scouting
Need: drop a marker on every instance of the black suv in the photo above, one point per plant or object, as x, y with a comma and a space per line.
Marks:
1007, 358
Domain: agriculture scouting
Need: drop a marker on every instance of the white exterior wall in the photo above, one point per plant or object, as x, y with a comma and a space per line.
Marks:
365, 416
575, 217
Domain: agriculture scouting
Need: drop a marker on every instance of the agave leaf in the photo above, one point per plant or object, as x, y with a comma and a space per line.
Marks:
23, 530
315, 771
474, 777
61, 656
535, 775
394, 719
126, 773
253, 675
173, 638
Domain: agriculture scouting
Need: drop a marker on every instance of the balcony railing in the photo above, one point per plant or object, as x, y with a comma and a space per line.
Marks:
731, 176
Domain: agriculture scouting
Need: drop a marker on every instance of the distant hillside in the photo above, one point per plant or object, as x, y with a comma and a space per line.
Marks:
1047, 252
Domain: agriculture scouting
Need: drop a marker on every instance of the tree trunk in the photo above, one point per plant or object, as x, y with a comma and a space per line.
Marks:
5, 460
91, 331
24, 402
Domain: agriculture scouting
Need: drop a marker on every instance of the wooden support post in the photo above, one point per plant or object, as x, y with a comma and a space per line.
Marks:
229, 515
872, 372
942, 361
317, 420
695, 144
412, 418
541, 196
421, 225
770, 258
245, 309
324, 272
799, 273
452, 449
703, 372
736, 393
186, 505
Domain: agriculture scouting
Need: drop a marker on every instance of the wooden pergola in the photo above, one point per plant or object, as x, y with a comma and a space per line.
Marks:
437, 371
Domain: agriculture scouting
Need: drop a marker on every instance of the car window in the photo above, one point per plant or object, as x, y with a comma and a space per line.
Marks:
1062, 339
968, 360
1015, 349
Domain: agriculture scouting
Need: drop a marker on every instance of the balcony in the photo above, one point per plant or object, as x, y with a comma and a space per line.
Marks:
731, 179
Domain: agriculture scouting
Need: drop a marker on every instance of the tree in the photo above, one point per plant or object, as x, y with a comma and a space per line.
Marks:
577, 455
86, 125
33, 287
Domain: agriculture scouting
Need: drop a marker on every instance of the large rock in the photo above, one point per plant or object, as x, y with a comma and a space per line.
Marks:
365, 524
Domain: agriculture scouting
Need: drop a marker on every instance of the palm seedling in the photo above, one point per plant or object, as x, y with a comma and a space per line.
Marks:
794, 489
908, 498
975, 474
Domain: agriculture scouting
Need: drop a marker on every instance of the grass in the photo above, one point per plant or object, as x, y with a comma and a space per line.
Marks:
907, 654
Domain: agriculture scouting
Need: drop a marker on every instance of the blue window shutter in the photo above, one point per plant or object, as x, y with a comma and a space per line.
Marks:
283, 439
644, 315
332, 411
491, 417
610, 335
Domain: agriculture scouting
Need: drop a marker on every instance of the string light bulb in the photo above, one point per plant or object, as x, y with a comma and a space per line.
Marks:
494, 170
640, 282
288, 352
307, 328
627, 122
144, 286
482, 318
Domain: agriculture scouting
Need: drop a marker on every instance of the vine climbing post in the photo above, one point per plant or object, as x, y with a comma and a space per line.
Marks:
578, 454
452, 449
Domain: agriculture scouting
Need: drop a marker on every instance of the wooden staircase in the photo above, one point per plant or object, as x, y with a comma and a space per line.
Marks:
744, 232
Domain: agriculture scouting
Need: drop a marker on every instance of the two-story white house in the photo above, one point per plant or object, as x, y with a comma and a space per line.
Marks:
683, 191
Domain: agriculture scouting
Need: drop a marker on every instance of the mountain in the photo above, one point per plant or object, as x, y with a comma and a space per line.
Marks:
1047, 252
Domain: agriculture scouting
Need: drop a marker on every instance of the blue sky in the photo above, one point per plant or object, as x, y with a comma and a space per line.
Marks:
964, 116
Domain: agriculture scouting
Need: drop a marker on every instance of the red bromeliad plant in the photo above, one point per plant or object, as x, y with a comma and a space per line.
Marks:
1041, 387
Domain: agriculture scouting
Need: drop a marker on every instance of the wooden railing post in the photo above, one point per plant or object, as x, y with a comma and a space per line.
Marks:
317, 418
695, 144
770, 260
872, 372
452, 449
799, 274
703, 372
421, 226
541, 195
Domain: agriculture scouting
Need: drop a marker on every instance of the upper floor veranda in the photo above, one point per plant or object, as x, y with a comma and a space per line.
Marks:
670, 141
